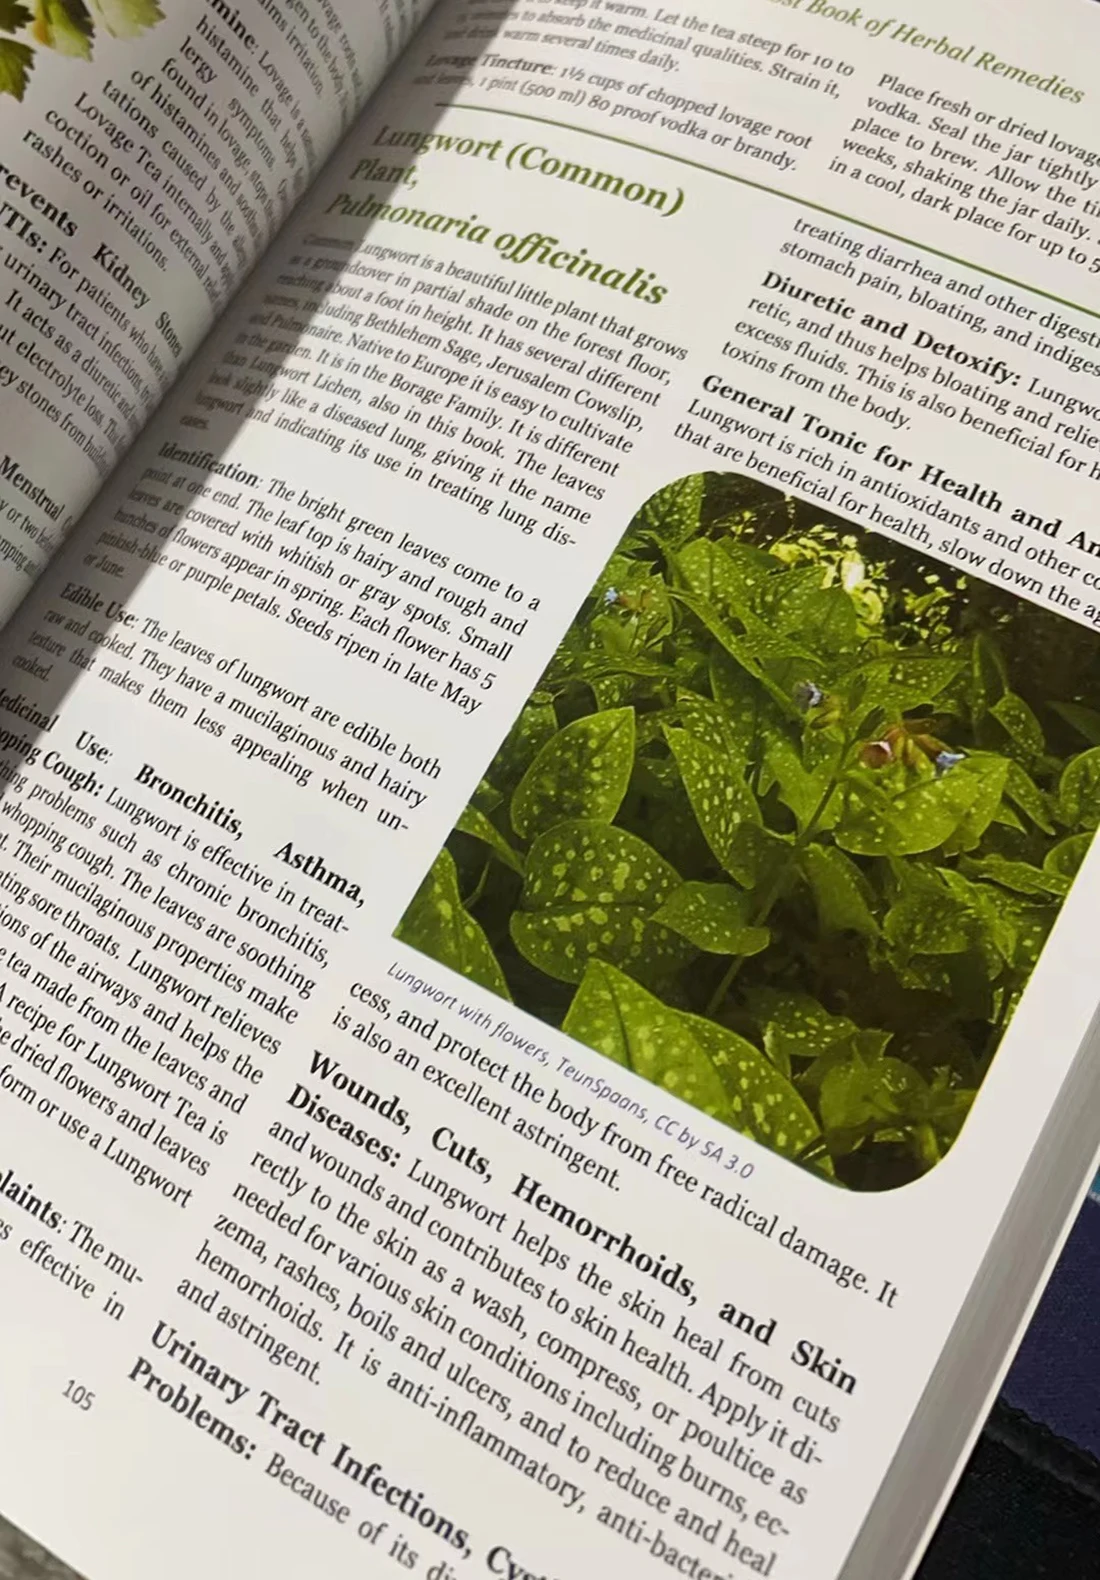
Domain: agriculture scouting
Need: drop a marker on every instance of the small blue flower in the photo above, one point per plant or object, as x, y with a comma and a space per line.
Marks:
945, 761
611, 597
808, 696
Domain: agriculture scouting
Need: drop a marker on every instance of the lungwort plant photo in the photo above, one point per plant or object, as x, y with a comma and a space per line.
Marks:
783, 827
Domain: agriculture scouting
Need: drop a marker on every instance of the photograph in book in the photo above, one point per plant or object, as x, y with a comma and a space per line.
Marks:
21, 1558
783, 827
69, 27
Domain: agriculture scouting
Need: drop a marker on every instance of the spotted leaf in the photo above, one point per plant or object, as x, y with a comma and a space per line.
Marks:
582, 772
1020, 724
719, 796
841, 893
537, 724
1065, 858
907, 680
671, 515
927, 919
990, 773
873, 823
796, 1026
1022, 789
1021, 875
620, 1019
715, 917
860, 1097
751, 713
828, 622
590, 892
725, 580
437, 923
803, 791
765, 1104
1079, 790
477, 825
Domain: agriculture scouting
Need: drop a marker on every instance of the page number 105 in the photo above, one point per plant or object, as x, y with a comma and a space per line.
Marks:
76, 1393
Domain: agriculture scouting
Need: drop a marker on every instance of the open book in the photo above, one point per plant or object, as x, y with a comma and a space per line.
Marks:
550, 745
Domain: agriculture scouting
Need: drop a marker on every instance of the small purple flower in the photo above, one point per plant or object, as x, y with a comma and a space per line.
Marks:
946, 760
611, 597
808, 696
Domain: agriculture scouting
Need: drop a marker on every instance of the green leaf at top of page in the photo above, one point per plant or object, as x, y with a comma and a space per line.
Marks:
16, 65
13, 15
64, 25
126, 18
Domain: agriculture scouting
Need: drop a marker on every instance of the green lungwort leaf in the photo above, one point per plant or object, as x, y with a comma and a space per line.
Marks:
438, 924
1020, 875
751, 713
1020, 724
13, 15
921, 818
1065, 858
1079, 790
758, 643
907, 680
828, 622
989, 675
724, 579
590, 891
796, 1026
474, 822
757, 857
614, 1015
672, 514
861, 1096
583, 772
841, 892
16, 65
126, 18
803, 791
537, 724
766, 1105
1021, 788
719, 796
926, 919
715, 917
789, 593
707, 719
1086, 721
64, 25
991, 774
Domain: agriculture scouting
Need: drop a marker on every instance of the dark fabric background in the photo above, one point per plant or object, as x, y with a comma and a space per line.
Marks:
1028, 1504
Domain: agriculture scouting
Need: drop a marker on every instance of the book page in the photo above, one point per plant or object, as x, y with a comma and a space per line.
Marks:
546, 865
147, 162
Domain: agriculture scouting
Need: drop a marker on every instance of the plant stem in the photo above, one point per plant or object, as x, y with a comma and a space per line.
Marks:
775, 890
479, 888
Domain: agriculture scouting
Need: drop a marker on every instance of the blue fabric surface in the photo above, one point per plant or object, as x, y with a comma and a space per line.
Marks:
1056, 1376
